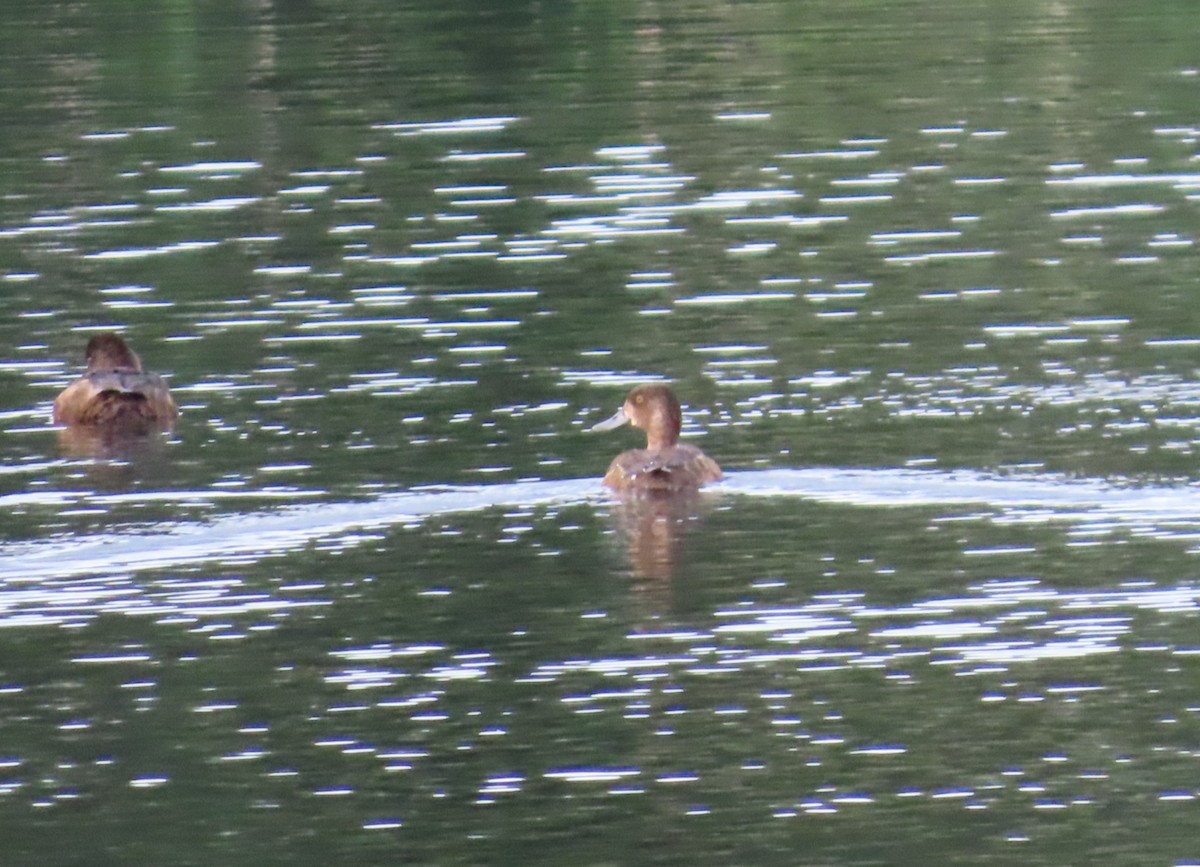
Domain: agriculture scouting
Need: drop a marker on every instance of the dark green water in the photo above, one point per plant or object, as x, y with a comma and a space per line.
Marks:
924, 275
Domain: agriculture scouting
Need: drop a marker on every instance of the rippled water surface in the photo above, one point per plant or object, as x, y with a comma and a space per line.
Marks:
923, 274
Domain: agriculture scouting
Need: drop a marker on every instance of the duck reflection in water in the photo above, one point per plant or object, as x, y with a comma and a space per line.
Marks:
658, 487
654, 527
116, 409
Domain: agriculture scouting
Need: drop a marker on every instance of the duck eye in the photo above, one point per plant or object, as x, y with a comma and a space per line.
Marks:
641, 398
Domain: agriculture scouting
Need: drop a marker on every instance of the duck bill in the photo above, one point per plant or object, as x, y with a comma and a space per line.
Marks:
618, 418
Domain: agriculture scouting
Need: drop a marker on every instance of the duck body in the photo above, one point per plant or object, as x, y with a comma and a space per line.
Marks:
115, 392
678, 468
664, 465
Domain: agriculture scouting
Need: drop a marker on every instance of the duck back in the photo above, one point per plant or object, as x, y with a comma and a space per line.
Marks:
116, 398
679, 467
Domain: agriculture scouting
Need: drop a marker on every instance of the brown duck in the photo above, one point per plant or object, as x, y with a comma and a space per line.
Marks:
664, 464
115, 392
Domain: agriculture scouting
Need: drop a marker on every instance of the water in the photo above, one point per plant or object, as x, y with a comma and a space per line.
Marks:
922, 275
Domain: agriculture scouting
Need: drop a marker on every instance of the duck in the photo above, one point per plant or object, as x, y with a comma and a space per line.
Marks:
114, 392
664, 465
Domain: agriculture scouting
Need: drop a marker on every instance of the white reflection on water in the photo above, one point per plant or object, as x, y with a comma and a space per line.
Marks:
213, 168
450, 127
1157, 512
146, 252
62, 602
264, 533
592, 775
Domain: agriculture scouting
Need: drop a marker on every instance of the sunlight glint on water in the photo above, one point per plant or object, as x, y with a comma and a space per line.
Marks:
932, 312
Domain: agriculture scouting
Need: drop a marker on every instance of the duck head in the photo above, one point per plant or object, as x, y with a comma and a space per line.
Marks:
108, 351
652, 408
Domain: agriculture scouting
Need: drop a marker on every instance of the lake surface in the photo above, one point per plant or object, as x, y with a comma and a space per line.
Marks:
924, 276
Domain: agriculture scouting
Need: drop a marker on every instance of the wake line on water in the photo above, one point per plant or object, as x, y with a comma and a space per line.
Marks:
289, 528
264, 533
